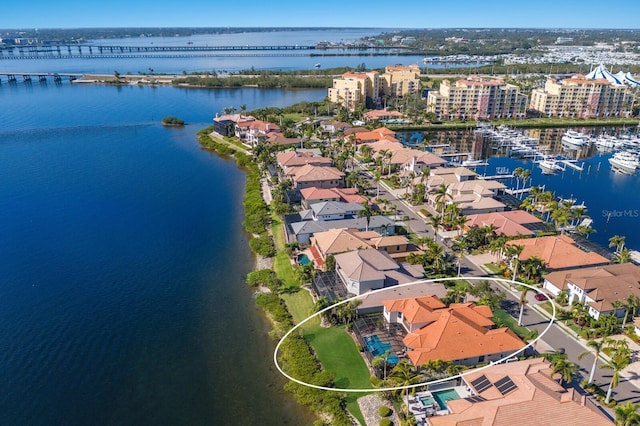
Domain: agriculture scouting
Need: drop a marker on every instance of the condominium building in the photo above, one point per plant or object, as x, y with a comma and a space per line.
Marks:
477, 98
355, 89
398, 81
579, 96
364, 89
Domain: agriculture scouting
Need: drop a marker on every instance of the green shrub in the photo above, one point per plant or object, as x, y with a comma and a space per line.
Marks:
384, 411
172, 121
263, 246
386, 422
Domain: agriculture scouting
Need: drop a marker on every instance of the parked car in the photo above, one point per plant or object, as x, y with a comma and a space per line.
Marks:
540, 297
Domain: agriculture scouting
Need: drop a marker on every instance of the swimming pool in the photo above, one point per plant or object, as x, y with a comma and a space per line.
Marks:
427, 400
303, 259
443, 396
379, 348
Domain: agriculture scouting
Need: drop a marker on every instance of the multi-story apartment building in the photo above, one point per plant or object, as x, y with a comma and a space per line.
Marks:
579, 96
477, 98
364, 89
355, 89
398, 81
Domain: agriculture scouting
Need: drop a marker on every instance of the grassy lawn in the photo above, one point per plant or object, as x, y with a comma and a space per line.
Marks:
296, 117
281, 263
493, 268
334, 348
300, 306
337, 352
502, 316
235, 145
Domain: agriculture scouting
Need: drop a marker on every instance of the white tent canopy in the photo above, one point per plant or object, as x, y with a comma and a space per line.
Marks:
601, 72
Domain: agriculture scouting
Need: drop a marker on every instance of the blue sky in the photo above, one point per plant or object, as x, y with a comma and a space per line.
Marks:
326, 13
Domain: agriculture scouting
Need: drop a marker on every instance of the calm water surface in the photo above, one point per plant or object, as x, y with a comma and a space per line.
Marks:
122, 298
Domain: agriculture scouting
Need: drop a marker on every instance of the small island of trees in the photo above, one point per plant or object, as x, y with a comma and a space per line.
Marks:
172, 122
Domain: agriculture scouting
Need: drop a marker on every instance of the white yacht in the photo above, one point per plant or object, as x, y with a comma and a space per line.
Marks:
625, 162
471, 163
608, 143
575, 139
550, 165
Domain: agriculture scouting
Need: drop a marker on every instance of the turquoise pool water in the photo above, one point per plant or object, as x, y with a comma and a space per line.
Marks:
303, 259
443, 396
427, 401
378, 348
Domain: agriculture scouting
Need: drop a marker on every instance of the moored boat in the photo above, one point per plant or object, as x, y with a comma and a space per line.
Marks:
625, 162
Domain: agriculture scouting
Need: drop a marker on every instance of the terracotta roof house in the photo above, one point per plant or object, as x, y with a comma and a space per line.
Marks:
315, 195
321, 177
280, 139
471, 195
518, 393
558, 252
374, 302
225, 125
255, 131
382, 114
289, 159
364, 270
353, 130
379, 134
510, 223
435, 332
397, 246
597, 287
336, 241
407, 159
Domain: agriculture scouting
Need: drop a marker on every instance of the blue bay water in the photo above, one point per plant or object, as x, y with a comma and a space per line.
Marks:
122, 297
612, 199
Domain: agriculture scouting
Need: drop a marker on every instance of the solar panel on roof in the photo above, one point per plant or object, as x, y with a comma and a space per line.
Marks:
481, 384
475, 399
505, 385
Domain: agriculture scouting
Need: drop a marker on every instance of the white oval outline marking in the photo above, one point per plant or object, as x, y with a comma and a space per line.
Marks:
369, 390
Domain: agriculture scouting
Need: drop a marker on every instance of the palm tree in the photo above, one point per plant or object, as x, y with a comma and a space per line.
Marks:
441, 196
436, 222
617, 363
630, 305
534, 267
377, 177
566, 368
498, 246
525, 175
518, 173
597, 347
459, 248
403, 375
623, 256
617, 241
523, 301
366, 213
627, 414
365, 152
513, 253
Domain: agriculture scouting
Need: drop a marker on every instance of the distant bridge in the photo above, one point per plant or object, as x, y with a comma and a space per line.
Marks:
27, 77
68, 51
